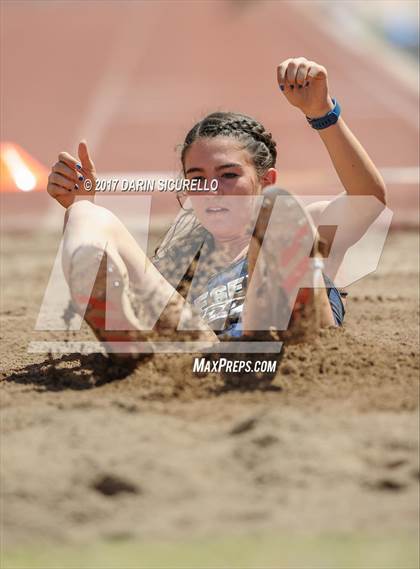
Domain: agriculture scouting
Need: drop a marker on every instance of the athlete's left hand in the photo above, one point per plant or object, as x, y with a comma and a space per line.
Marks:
305, 85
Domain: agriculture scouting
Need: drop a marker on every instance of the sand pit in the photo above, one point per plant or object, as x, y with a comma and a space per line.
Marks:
165, 454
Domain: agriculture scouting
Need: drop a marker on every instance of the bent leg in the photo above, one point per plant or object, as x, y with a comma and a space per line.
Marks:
90, 227
89, 224
286, 282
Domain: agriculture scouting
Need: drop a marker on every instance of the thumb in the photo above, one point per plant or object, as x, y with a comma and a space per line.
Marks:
85, 158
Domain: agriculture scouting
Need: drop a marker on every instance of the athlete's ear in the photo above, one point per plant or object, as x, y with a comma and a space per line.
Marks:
269, 178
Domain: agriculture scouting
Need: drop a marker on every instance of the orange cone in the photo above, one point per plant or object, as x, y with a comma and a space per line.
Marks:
19, 171
25, 202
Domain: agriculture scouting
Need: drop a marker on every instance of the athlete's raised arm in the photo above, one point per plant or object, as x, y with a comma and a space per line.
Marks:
304, 83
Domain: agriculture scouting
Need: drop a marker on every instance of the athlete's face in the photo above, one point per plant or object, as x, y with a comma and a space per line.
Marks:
227, 212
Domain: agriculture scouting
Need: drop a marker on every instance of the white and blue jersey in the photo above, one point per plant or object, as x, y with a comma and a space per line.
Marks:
222, 302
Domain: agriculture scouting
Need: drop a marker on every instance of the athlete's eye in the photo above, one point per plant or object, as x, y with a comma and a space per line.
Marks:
230, 175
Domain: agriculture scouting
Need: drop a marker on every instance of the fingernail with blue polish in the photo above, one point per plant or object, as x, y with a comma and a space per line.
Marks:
78, 166
80, 178
282, 87
76, 187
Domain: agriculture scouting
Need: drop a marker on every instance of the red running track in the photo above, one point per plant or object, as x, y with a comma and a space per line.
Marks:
132, 77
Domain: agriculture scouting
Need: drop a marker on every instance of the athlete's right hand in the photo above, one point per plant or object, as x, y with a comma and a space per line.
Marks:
69, 177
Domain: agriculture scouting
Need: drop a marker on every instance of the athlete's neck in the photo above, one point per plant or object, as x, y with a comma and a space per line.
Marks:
232, 248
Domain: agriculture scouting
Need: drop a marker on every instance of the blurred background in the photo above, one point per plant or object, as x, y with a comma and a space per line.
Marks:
164, 453
133, 76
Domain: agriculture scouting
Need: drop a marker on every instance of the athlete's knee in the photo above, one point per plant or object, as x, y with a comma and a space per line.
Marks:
86, 213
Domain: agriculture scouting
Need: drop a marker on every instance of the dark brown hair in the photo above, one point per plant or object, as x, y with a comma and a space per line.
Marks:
250, 132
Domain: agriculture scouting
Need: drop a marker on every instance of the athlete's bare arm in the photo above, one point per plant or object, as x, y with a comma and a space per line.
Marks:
304, 84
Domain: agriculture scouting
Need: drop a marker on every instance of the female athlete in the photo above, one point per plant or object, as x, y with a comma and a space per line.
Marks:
244, 262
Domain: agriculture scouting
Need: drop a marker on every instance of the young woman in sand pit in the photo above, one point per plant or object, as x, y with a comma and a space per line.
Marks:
201, 271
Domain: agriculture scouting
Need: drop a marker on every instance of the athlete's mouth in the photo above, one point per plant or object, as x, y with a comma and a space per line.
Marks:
213, 210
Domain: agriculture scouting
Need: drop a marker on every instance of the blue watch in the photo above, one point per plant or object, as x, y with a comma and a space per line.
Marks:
327, 120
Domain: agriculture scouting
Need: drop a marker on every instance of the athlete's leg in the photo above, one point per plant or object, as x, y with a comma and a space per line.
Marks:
90, 228
285, 270
89, 224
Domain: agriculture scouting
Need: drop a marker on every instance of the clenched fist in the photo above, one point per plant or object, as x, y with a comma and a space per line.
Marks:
305, 85
68, 177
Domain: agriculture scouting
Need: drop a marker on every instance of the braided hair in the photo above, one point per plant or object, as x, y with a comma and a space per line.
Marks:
256, 139
187, 238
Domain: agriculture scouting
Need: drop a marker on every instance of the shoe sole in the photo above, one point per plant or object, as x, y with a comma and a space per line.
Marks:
289, 264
